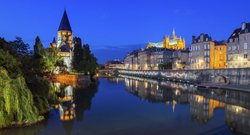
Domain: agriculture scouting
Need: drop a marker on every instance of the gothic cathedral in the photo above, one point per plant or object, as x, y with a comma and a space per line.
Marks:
173, 43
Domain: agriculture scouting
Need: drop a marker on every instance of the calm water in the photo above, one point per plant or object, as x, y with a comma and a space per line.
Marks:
134, 106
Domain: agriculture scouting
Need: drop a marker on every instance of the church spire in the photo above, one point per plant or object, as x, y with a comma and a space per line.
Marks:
54, 40
65, 25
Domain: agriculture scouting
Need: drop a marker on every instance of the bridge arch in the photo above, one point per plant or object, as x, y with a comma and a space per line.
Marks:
220, 79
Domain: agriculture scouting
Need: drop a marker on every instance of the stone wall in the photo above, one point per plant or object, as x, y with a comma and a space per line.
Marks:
238, 76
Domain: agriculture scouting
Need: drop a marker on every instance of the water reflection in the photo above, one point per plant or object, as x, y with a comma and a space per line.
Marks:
202, 102
75, 100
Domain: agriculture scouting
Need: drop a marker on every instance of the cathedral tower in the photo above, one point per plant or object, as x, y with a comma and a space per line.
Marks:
64, 33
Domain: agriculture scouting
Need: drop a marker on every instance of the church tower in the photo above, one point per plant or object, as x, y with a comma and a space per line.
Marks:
64, 33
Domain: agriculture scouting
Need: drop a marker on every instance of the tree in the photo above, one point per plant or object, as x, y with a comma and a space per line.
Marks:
183, 67
8, 62
39, 65
52, 57
77, 54
19, 46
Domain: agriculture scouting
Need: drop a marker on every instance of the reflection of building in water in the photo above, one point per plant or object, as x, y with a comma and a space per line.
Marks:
114, 79
202, 108
237, 118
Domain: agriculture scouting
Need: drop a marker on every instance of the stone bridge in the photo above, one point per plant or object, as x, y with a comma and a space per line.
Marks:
237, 76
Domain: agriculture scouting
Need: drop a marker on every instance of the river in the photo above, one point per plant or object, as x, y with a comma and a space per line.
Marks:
137, 106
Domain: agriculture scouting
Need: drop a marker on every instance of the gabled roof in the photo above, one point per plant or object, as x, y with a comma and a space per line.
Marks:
64, 25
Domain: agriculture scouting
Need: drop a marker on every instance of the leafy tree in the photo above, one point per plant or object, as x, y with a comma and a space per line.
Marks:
183, 67
8, 62
19, 46
77, 54
51, 57
160, 66
39, 64
16, 101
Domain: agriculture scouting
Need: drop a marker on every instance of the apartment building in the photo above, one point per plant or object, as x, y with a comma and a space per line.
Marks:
220, 54
144, 59
201, 54
180, 59
238, 47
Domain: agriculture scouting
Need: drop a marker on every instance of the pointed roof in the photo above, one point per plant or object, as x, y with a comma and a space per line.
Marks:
54, 40
64, 25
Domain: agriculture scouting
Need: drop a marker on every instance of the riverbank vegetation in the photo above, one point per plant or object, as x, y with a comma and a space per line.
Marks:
24, 93
83, 60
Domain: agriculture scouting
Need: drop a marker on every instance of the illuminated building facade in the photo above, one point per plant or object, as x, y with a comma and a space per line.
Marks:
220, 54
64, 40
201, 54
180, 59
238, 47
169, 43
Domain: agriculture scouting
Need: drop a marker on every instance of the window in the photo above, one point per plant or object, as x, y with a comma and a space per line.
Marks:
206, 46
198, 47
220, 52
243, 121
236, 56
59, 38
245, 37
245, 45
207, 66
236, 40
243, 111
230, 56
230, 65
206, 53
198, 53
194, 54
245, 55
207, 59
236, 65
233, 56
197, 66
245, 64
64, 38
230, 40
206, 39
229, 48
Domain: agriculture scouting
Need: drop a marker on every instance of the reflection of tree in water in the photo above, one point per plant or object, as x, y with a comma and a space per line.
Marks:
82, 98
29, 130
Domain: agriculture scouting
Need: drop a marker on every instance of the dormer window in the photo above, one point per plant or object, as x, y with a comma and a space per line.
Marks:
230, 40
239, 33
206, 39
236, 40
234, 34
64, 32
199, 40
246, 30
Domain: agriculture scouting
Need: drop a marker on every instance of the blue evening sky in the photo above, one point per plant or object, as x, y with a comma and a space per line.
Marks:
114, 28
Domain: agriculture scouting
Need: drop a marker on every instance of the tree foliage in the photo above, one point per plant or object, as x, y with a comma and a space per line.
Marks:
77, 54
16, 101
83, 60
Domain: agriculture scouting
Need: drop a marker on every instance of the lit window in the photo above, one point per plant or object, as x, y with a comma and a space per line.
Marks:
69, 33
64, 38
58, 33
245, 45
69, 38
245, 55
59, 38
64, 32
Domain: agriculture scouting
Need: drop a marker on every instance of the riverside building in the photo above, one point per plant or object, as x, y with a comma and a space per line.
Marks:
238, 47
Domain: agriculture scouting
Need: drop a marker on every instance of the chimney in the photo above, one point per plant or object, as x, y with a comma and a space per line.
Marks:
193, 38
202, 37
243, 26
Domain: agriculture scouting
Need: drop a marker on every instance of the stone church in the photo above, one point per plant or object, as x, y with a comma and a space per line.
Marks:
64, 40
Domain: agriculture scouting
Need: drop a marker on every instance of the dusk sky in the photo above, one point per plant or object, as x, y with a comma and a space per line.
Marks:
114, 28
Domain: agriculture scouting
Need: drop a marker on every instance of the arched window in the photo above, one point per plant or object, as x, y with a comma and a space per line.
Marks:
64, 38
